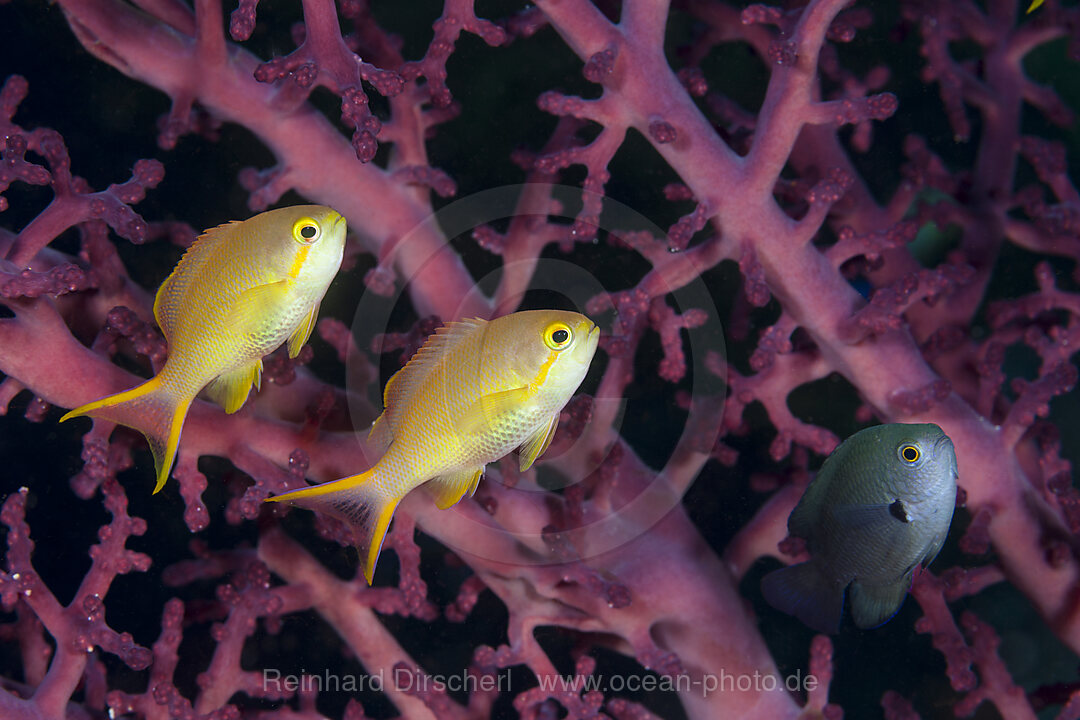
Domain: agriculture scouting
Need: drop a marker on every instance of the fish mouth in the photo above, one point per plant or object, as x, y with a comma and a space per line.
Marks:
943, 444
593, 338
943, 441
340, 221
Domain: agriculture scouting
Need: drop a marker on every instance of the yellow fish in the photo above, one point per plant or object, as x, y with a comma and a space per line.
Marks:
238, 293
475, 391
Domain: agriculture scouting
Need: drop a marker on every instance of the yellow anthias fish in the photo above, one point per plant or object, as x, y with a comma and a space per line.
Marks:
238, 293
475, 391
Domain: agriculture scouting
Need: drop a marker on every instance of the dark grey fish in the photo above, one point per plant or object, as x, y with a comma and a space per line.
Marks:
880, 505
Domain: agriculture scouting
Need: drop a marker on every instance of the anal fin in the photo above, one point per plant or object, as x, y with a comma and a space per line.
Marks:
230, 390
873, 605
449, 489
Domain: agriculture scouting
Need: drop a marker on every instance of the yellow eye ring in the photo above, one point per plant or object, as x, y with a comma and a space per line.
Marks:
558, 336
909, 453
306, 231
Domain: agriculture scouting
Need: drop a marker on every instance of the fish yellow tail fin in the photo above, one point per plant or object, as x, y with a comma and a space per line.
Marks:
359, 503
153, 409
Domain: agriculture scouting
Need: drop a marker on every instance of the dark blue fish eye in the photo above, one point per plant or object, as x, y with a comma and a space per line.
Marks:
909, 453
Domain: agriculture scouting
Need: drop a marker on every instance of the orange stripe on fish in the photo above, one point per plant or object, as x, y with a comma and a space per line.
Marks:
298, 262
541, 376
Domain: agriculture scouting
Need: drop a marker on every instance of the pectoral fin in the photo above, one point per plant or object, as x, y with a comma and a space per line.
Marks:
485, 414
877, 526
257, 302
535, 446
449, 489
303, 332
230, 390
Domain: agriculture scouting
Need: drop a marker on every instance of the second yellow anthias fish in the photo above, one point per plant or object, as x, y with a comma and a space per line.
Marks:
238, 293
475, 391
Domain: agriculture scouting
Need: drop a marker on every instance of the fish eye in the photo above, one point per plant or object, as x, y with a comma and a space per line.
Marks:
909, 453
306, 231
558, 335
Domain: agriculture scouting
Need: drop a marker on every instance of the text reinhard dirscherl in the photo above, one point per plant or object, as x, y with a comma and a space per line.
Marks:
411, 681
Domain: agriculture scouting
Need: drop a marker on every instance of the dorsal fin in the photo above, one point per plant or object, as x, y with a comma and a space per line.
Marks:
167, 300
399, 390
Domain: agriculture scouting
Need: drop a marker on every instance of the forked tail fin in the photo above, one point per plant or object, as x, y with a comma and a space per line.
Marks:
153, 409
356, 501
